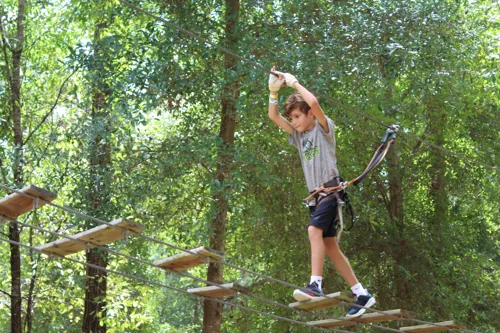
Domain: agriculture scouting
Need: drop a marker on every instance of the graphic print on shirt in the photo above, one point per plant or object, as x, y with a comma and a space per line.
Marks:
309, 150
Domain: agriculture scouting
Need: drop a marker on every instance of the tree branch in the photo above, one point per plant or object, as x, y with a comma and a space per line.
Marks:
5, 45
4, 175
5, 293
385, 197
53, 106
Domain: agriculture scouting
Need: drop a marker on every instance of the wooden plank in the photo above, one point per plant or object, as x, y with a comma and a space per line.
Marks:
16, 204
216, 291
450, 325
373, 317
100, 235
186, 260
320, 303
333, 323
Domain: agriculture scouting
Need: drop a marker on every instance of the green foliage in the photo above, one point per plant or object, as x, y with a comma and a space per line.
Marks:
431, 66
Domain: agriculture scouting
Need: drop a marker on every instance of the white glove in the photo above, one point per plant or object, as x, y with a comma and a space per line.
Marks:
290, 79
275, 82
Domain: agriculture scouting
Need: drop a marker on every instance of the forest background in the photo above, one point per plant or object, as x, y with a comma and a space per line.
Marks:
122, 115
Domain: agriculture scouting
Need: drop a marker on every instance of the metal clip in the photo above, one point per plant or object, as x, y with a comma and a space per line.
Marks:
390, 133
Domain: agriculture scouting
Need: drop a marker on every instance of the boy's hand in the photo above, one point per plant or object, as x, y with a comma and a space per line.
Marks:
275, 82
290, 79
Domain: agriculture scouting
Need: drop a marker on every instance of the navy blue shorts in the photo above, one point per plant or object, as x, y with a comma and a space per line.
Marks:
324, 217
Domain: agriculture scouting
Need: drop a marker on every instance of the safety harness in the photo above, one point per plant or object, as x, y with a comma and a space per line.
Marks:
335, 188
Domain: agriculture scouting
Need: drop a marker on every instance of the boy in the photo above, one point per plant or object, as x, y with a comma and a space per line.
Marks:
312, 132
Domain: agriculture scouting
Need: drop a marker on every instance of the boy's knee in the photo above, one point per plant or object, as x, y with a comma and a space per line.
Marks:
331, 244
314, 232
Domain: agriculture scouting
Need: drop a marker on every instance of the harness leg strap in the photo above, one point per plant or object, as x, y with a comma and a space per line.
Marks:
340, 204
341, 223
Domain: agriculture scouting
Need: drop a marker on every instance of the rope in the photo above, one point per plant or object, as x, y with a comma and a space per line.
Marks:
226, 51
118, 253
137, 278
219, 261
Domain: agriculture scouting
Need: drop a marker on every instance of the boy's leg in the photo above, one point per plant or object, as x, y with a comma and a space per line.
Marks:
342, 265
317, 250
317, 262
319, 219
340, 261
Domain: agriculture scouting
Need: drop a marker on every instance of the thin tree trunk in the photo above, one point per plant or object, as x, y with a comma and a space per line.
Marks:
212, 314
14, 232
100, 171
437, 189
438, 195
95, 292
395, 202
28, 323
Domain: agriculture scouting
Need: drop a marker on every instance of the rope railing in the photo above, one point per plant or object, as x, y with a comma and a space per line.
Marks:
35, 199
138, 278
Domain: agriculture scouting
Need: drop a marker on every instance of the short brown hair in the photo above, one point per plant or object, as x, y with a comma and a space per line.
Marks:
296, 102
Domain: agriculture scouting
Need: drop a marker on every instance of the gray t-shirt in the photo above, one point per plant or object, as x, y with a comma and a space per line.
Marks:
317, 154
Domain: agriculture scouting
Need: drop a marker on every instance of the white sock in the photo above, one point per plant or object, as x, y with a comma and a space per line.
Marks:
359, 290
317, 279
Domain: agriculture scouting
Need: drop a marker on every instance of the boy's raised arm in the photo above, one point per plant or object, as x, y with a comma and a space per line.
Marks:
310, 99
274, 114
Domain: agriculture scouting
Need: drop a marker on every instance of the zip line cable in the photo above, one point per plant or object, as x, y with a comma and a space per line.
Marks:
36, 200
228, 52
137, 278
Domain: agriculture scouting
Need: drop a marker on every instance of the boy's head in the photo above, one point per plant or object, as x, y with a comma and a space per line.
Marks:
299, 113
296, 102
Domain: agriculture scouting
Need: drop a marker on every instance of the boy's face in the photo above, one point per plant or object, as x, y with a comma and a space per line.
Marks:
301, 121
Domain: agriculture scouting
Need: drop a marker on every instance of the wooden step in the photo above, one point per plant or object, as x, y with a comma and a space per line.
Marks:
16, 204
216, 291
182, 261
100, 235
450, 325
373, 317
320, 303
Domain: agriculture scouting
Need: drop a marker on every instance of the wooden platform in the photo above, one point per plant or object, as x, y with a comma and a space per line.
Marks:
320, 303
366, 318
186, 260
16, 204
100, 235
216, 291
451, 325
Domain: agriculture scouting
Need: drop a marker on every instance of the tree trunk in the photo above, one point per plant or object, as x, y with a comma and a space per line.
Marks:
437, 190
395, 201
100, 173
95, 292
14, 232
212, 314
438, 227
31, 296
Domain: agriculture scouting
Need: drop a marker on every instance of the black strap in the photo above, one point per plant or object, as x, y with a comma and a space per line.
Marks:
348, 209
